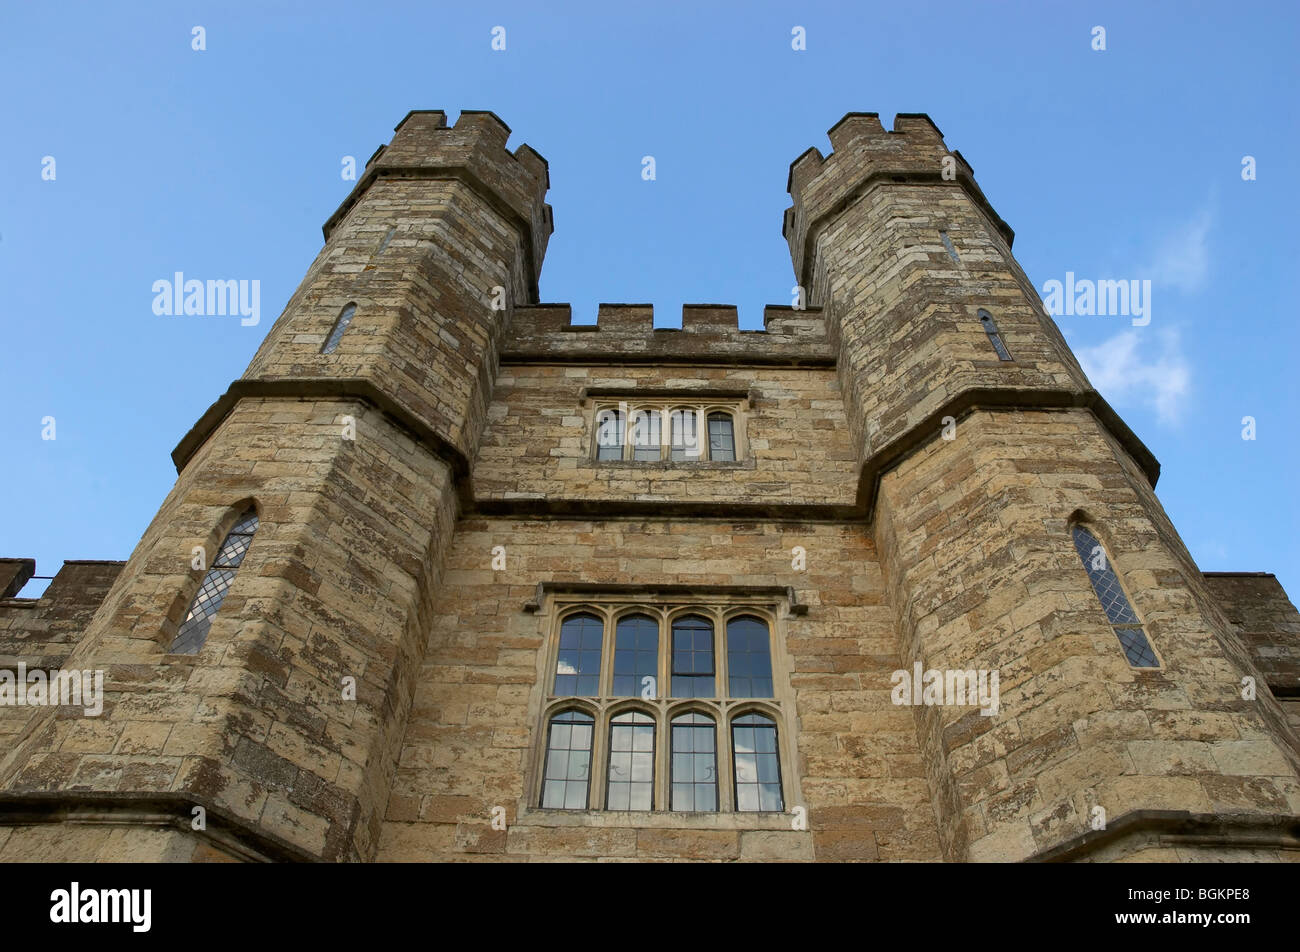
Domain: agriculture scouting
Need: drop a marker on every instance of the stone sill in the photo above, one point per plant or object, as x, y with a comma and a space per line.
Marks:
661, 466
655, 820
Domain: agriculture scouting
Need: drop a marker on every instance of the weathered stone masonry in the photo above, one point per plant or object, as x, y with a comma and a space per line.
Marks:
473, 430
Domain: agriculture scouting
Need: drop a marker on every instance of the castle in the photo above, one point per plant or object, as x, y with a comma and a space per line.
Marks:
447, 576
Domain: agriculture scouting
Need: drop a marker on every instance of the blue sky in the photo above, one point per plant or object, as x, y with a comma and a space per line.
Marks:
1123, 163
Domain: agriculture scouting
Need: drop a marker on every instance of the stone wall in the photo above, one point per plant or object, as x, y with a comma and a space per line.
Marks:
471, 740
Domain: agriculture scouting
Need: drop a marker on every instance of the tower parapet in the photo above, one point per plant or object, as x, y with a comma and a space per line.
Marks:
473, 151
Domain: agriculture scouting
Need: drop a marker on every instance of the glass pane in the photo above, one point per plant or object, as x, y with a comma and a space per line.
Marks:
193, 631
694, 776
757, 765
722, 441
645, 436
747, 798
684, 434
770, 797
1136, 648
1105, 583
577, 665
568, 761
692, 657
610, 431
636, 655
749, 659
631, 762
340, 325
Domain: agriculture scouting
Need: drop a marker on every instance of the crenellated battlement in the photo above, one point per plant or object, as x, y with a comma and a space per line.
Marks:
474, 151
709, 332
864, 155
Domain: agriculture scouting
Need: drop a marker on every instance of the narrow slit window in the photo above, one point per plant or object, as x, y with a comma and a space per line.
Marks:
947, 243
749, 658
610, 427
995, 336
568, 761
631, 762
577, 667
388, 236
695, 764
341, 325
758, 766
1105, 583
636, 656
194, 630
722, 437
692, 657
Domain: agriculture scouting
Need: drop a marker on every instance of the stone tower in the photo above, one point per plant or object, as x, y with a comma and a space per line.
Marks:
972, 528
352, 461
901, 473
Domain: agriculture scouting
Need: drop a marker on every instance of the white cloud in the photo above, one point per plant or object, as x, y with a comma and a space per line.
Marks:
1126, 371
1182, 260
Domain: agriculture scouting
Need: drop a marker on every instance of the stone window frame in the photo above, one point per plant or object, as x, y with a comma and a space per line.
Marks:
737, 407
719, 604
1082, 520
183, 602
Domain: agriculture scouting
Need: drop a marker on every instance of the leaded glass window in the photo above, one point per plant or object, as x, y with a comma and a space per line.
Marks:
684, 432
694, 764
631, 762
645, 435
947, 244
722, 437
749, 658
995, 336
341, 325
193, 631
610, 425
577, 668
757, 764
568, 761
1105, 583
709, 762
653, 430
636, 656
692, 657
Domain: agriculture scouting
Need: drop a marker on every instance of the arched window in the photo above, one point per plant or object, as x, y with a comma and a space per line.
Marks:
577, 667
695, 764
995, 336
758, 766
692, 657
722, 437
749, 658
568, 761
645, 435
636, 656
336, 335
684, 433
631, 762
610, 427
1105, 583
194, 630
